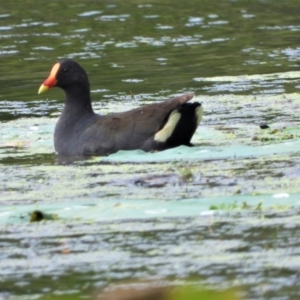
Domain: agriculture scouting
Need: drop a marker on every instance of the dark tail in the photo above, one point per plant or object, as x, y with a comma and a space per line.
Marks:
179, 126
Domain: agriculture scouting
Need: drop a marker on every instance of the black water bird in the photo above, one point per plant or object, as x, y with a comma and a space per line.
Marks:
81, 132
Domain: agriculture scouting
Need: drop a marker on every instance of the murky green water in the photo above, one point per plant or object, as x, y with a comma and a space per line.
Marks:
225, 212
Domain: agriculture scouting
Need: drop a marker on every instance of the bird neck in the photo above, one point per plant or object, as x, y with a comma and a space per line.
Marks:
78, 100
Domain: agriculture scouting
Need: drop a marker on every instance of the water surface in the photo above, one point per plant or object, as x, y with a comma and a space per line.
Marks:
224, 212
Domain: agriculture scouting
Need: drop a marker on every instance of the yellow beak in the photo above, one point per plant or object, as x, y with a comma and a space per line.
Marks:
43, 88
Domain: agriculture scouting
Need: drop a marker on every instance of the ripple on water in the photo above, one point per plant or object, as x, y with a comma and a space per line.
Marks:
6, 27
4, 15
90, 13
110, 18
166, 244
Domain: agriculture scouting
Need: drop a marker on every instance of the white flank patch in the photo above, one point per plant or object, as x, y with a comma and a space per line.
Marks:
199, 114
167, 130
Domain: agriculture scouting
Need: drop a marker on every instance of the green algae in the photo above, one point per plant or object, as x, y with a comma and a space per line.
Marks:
226, 160
93, 210
34, 136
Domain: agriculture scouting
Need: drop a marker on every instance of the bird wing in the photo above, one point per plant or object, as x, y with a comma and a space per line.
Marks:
128, 130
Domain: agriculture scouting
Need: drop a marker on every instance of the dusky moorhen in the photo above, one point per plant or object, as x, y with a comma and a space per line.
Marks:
81, 132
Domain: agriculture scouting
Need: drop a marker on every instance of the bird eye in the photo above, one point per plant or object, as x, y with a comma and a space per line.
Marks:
65, 70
